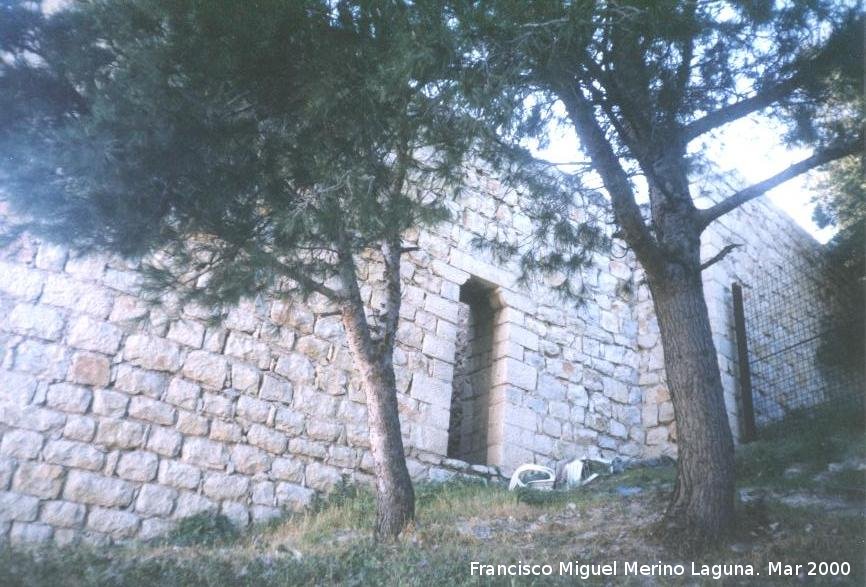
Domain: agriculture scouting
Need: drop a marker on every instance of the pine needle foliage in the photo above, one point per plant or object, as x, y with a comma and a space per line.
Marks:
236, 146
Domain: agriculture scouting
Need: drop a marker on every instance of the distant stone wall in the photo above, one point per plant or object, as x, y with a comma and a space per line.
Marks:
791, 298
771, 241
111, 429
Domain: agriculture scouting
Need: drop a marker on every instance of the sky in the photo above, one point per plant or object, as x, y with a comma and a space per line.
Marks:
750, 148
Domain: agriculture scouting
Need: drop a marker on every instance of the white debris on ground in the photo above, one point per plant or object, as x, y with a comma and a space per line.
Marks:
575, 473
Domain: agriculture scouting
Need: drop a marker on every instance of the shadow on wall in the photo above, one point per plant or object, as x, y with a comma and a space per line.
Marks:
471, 388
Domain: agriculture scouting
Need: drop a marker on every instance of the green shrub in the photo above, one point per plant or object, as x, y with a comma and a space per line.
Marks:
202, 529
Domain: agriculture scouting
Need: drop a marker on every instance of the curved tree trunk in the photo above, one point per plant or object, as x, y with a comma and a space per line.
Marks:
702, 505
395, 496
374, 359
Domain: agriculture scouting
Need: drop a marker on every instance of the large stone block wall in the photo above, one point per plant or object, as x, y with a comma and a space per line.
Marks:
117, 419
112, 428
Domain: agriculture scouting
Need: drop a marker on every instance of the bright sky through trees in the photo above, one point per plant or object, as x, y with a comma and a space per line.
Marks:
750, 149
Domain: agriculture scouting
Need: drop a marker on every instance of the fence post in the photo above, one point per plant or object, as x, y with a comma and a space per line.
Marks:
743, 361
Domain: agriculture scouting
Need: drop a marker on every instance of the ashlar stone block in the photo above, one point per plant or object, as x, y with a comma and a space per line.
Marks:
164, 441
252, 409
18, 507
90, 334
236, 512
296, 367
267, 438
63, 514
155, 500
204, 453
226, 431
90, 488
180, 475
24, 533
120, 434
248, 349
190, 504
182, 393
82, 455
288, 469
276, 389
151, 410
293, 497
209, 369
39, 479
90, 369
150, 352
432, 391
115, 523
110, 403
250, 460
17, 388
139, 381
137, 466
187, 332
245, 377
21, 444
47, 360
39, 321
20, 282
69, 293
220, 487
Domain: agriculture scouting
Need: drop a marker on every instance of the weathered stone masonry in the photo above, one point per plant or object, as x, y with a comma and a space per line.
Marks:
110, 430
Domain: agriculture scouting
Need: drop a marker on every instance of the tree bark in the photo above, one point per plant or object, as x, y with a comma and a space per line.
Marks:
701, 509
395, 496
702, 506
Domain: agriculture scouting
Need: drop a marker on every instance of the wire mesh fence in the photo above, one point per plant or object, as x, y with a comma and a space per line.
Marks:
804, 332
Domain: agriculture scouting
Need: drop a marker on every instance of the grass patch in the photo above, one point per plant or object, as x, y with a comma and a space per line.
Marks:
806, 443
202, 529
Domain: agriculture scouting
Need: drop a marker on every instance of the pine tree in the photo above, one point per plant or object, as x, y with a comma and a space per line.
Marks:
240, 149
640, 82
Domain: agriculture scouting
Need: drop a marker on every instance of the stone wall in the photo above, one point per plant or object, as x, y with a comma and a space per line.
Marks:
112, 428
790, 297
771, 242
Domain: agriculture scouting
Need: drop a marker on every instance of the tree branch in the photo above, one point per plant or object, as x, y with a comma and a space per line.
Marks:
306, 282
720, 255
848, 38
391, 253
352, 305
687, 53
737, 110
615, 179
392, 250
819, 158
535, 25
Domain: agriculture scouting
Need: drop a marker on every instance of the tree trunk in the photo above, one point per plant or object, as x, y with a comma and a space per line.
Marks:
395, 496
702, 505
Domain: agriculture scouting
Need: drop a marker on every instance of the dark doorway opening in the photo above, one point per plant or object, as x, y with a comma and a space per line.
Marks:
470, 399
